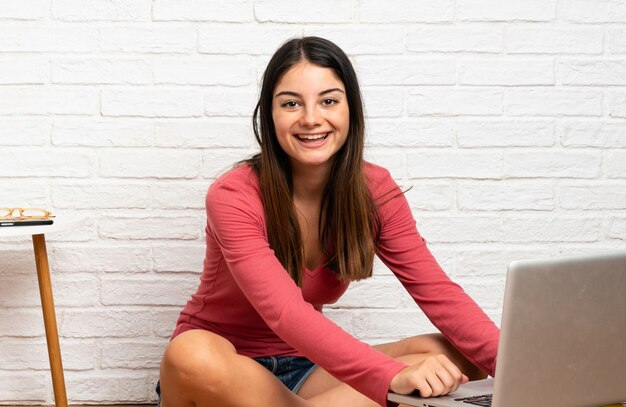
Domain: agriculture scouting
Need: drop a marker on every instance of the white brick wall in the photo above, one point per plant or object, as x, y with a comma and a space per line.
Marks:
508, 118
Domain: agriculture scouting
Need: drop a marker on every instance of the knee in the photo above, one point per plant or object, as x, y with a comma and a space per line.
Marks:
433, 344
196, 359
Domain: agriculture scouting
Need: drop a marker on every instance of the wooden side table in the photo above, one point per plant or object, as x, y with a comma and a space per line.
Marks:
45, 291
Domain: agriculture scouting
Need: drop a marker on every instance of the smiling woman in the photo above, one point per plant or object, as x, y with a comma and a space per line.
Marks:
287, 231
310, 91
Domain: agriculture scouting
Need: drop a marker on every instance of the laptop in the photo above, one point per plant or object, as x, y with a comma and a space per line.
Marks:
563, 338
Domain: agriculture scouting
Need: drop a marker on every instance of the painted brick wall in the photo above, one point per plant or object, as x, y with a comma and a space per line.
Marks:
508, 118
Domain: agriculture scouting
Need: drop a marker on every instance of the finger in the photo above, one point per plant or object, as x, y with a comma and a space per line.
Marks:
464, 379
447, 380
423, 387
438, 388
437, 375
452, 377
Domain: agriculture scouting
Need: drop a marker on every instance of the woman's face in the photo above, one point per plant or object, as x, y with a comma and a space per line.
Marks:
311, 114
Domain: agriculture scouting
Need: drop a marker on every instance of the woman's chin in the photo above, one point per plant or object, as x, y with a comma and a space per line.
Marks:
312, 162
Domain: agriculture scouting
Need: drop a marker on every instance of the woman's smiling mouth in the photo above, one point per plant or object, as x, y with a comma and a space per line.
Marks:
307, 138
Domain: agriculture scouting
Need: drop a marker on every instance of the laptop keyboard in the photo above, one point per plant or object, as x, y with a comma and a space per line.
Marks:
484, 400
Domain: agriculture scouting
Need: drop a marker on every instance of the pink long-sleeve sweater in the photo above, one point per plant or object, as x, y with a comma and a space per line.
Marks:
246, 296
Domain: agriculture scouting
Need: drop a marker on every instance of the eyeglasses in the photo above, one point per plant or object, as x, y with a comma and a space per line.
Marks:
25, 213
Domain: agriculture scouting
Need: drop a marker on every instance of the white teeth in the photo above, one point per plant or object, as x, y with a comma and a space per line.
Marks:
312, 136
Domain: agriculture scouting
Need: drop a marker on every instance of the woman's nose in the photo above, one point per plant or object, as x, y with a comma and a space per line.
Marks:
310, 116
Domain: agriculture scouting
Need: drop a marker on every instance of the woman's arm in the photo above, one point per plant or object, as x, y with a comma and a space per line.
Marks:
445, 303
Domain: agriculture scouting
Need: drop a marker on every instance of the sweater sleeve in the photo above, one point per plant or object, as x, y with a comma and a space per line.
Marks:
235, 221
449, 308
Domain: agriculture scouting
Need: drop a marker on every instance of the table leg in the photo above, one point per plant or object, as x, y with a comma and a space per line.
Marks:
49, 319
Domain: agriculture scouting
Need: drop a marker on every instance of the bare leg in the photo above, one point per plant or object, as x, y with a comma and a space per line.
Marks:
202, 369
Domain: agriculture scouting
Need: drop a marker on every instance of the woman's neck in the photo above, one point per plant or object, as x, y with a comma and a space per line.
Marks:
309, 182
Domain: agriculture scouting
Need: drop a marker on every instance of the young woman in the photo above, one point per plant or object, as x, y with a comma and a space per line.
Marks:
286, 232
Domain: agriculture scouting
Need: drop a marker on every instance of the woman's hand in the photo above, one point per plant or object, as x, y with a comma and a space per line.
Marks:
435, 376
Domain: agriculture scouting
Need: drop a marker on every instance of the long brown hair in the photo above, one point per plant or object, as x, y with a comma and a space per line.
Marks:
348, 220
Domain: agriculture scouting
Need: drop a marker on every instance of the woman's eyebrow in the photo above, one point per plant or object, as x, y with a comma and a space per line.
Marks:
331, 90
296, 94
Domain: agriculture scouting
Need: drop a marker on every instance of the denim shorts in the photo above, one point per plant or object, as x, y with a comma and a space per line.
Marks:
292, 371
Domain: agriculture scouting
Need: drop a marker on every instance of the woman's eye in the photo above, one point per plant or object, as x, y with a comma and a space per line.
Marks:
290, 104
329, 102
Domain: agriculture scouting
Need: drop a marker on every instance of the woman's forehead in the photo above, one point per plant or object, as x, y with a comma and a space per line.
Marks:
307, 77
